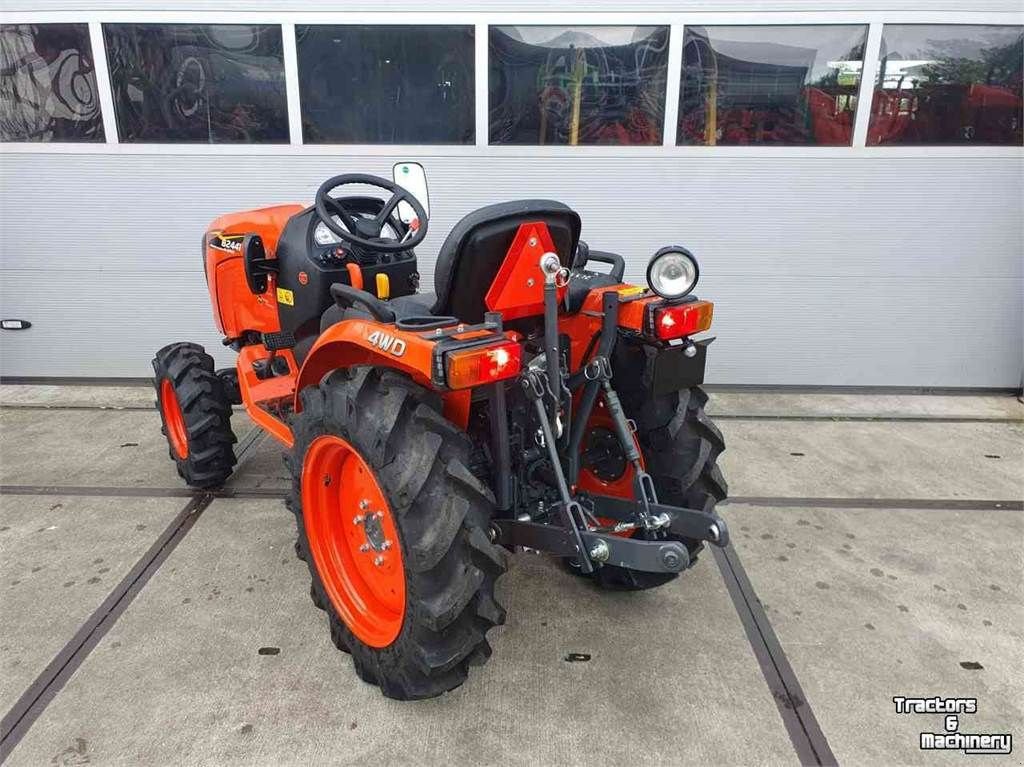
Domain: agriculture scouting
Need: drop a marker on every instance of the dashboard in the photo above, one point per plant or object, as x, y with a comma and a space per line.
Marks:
322, 235
312, 258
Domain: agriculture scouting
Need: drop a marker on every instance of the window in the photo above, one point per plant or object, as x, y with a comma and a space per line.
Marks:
47, 84
199, 83
770, 85
948, 84
577, 85
386, 84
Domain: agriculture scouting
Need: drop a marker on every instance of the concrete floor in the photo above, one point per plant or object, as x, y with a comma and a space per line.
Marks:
868, 597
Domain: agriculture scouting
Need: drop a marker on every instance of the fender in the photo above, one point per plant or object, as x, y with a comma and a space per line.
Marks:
366, 342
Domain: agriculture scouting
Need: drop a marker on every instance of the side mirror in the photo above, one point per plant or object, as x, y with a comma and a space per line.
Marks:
411, 176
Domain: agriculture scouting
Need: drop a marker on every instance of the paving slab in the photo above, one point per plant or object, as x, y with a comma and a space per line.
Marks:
93, 448
263, 469
77, 396
179, 678
852, 459
59, 559
863, 405
871, 603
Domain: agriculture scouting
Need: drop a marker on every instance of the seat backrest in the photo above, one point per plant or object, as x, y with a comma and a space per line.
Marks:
476, 247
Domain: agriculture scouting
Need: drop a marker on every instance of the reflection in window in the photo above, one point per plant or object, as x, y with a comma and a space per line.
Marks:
200, 83
386, 84
770, 84
577, 85
47, 84
949, 84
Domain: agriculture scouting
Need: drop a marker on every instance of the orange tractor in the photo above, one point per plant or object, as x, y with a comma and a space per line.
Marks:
532, 400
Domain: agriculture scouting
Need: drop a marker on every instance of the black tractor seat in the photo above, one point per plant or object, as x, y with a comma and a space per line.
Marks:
469, 260
416, 305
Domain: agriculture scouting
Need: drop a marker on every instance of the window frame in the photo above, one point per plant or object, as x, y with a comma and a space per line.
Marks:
97, 85
422, 28
860, 86
877, 59
482, 20
667, 28
192, 28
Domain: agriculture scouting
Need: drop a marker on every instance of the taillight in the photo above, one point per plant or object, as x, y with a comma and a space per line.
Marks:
676, 321
487, 364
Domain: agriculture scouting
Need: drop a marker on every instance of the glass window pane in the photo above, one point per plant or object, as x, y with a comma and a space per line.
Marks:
47, 84
386, 84
198, 83
948, 84
577, 85
770, 85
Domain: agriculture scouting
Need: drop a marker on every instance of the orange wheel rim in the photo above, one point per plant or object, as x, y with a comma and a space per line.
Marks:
353, 540
177, 434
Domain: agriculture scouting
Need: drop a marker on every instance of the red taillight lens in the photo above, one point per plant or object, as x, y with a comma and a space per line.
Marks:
488, 364
668, 322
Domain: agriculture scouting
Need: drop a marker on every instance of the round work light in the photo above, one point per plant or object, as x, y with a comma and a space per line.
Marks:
672, 272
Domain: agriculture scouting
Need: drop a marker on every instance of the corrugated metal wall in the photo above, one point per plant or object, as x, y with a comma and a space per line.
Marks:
861, 271
888, 269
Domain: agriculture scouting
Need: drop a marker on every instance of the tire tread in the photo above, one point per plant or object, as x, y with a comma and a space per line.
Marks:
420, 461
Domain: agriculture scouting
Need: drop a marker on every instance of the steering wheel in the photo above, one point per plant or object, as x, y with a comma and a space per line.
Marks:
365, 232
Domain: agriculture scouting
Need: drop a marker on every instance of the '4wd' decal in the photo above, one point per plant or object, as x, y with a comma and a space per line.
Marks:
387, 343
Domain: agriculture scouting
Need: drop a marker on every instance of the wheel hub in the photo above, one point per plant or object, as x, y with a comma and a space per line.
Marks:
603, 455
353, 540
373, 529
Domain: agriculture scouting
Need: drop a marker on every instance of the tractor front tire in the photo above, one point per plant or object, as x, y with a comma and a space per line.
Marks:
195, 414
394, 530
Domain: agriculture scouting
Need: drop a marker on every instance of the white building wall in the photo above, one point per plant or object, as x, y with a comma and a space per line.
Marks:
828, 266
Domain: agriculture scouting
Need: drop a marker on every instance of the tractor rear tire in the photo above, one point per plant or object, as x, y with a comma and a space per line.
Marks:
392, 429
680, 445
195, 414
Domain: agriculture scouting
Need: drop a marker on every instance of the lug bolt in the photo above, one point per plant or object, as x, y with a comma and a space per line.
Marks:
365, 547
357, 519
379, 514
378, 561
364, 504
386, 545
327, 480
